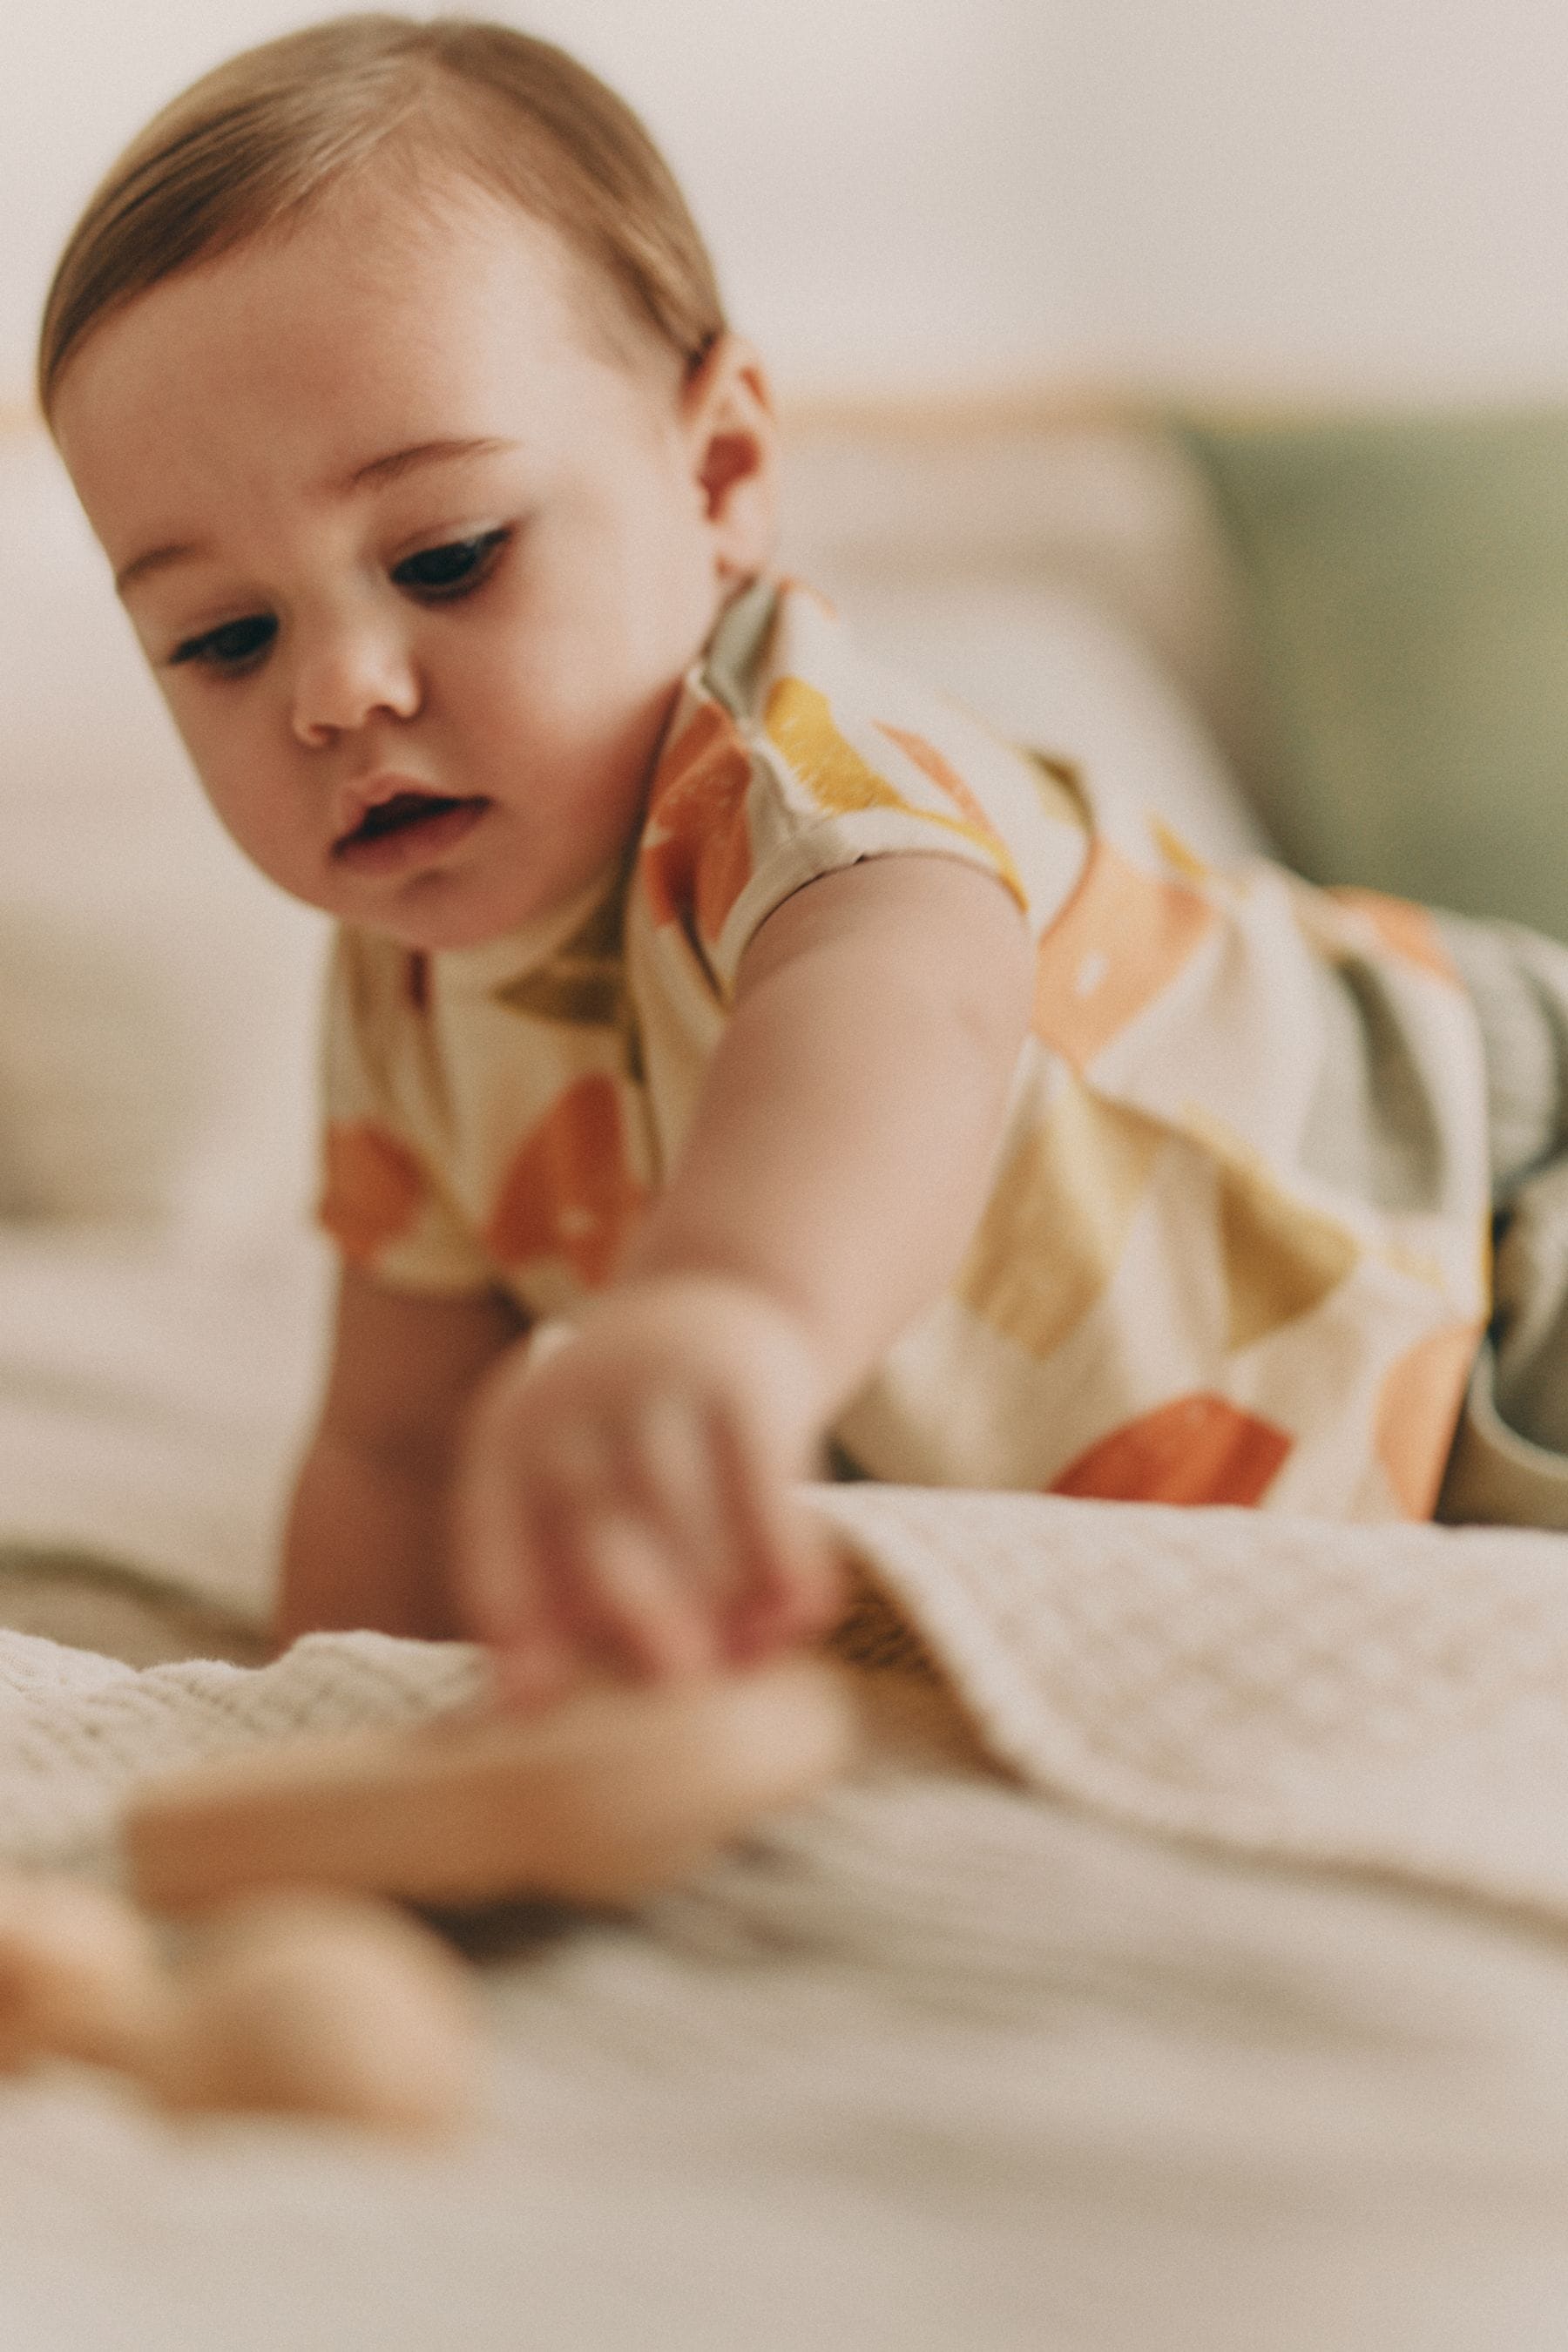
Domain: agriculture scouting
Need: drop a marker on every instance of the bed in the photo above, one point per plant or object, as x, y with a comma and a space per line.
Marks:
1184, 1964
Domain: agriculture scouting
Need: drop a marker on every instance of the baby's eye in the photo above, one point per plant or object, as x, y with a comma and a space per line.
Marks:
451, 570
233, 646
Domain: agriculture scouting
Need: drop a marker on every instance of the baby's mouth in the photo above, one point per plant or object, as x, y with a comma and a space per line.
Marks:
394, 815
414, 821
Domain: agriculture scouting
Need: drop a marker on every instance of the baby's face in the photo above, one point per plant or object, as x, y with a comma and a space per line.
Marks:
418, 565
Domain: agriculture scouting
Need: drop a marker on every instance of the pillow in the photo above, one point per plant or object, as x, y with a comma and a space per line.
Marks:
156, 995
1407, 579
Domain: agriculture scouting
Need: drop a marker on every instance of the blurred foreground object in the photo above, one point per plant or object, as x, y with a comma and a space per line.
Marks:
607, 1796
296, 1989
304, 2004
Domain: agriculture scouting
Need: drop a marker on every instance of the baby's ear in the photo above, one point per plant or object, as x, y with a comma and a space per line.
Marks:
735, 456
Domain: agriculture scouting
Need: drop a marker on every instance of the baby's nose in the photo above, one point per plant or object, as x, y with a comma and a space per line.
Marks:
348, 676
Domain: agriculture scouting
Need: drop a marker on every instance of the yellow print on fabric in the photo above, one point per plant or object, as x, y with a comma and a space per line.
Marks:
799, 720
1058, 1220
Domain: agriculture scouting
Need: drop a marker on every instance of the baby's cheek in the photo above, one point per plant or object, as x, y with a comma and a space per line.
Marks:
262, 817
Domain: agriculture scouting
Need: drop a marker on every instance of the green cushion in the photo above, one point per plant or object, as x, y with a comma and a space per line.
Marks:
1407, 581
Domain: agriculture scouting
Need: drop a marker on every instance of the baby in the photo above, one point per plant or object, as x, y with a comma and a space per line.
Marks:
730, 1045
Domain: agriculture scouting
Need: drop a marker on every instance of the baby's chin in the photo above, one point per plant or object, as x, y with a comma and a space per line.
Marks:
433, 937
432, 918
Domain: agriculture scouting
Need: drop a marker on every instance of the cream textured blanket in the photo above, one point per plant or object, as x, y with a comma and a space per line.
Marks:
1390, 1699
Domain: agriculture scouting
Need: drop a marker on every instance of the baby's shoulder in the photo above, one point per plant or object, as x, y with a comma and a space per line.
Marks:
797, 748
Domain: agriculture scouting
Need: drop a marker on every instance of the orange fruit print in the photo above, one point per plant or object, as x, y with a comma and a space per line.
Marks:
699, 858
569, 1192
1197, 1449
1121, 939
374, 1189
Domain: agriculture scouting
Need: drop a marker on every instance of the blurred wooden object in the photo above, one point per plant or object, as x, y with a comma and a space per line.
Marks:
322, 2005
298, 1989
612, 1794
306, 2004
81, 1974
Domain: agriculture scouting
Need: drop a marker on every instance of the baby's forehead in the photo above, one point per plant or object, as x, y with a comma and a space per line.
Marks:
371, 292
415, 212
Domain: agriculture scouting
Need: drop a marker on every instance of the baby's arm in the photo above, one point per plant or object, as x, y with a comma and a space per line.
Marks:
624, 1500
367, 1536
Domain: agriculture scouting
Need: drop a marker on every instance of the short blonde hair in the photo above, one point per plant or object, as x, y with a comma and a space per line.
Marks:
257, 141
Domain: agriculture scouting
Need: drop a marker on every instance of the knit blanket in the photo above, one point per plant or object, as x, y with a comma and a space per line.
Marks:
1387, 1699
1391, 1700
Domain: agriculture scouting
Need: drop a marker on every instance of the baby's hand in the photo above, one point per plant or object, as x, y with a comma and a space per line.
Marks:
622, 1502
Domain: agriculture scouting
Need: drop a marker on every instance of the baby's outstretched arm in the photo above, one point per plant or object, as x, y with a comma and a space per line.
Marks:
622, 1499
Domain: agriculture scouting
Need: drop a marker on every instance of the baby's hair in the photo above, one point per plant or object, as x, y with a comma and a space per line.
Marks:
254, 143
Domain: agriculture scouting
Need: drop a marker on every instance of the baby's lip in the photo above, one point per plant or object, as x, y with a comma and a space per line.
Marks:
390, 823
376, 804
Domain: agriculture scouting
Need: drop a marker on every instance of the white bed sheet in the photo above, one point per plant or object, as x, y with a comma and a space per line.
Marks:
817, 2102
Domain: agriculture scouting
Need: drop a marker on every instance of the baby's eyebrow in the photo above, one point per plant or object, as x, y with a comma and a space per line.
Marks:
155, 559
373, 474
398, 462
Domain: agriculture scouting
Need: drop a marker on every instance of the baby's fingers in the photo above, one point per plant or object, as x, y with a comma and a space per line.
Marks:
569, 1572
628, 1539
504, 1587
651, 1620
788, 1582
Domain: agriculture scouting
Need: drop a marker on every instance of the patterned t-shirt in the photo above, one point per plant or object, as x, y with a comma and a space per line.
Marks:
1234, 1245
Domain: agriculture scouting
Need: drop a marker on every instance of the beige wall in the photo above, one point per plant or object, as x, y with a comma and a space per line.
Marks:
908, 194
